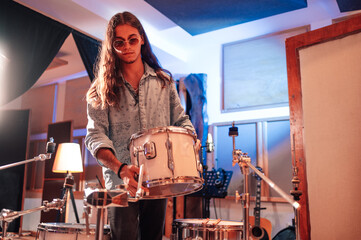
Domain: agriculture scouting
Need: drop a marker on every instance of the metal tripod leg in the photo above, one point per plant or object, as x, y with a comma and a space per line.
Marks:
74, 205
69, 191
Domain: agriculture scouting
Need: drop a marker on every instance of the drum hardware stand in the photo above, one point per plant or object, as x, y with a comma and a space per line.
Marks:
107, 198
244, 161
50, 148
87, 211
7, 215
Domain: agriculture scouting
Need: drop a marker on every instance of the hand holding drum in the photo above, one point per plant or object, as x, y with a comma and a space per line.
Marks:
129, 174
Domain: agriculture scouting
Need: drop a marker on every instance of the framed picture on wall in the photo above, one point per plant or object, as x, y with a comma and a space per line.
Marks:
255, 72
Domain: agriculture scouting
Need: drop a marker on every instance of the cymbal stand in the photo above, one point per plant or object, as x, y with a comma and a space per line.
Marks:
244, 161
241, 159
7, 215
50, 148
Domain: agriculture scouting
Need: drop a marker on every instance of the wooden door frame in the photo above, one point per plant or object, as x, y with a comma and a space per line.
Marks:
293, 46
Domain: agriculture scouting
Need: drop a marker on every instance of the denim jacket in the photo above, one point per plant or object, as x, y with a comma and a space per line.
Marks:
154, 106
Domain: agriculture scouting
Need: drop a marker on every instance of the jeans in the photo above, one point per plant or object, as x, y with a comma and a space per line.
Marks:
141, 220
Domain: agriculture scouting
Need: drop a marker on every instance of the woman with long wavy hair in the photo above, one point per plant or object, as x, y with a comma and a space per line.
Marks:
131, 93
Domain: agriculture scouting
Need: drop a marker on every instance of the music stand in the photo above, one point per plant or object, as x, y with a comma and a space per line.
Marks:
215, 186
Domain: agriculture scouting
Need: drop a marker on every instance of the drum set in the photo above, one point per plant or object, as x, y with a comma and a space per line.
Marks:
169, 163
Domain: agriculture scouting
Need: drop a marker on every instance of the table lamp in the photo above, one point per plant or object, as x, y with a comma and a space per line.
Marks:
68, 160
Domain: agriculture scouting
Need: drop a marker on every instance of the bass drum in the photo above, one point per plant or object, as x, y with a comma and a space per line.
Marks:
68, 231
206, 229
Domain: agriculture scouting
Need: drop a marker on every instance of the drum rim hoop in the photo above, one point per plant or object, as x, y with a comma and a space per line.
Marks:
173, 129
65, 228
197, 226
182, 179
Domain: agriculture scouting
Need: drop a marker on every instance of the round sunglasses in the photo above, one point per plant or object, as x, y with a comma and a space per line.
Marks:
119, 44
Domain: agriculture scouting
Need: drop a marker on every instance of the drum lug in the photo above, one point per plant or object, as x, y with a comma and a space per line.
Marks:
199, 167
149, 150
169, 147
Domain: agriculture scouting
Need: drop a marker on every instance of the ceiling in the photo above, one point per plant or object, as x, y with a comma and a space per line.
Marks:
176, 27
201, 16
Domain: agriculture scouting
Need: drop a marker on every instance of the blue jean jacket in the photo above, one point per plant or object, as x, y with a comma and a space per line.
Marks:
154, 106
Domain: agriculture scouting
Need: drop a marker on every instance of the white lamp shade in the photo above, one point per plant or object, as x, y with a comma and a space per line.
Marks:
68, 158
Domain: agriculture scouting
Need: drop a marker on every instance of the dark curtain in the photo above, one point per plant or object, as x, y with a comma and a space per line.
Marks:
14, 132
88, 49
28, 43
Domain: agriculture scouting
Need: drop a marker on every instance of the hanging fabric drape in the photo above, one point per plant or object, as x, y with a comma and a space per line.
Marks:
88, 49
28, 43
196, 85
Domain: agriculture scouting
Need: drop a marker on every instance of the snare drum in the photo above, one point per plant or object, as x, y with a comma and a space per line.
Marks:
68, 231
171, 162
206, 229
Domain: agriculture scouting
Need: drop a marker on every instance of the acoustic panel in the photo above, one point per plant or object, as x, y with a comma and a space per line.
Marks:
75, 102
349, 5
201, 16
41, 102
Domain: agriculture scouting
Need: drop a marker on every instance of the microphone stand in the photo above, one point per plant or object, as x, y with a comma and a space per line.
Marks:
209, 147
205, 199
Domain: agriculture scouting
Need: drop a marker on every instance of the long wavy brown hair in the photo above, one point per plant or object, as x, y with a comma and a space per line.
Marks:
104, 90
